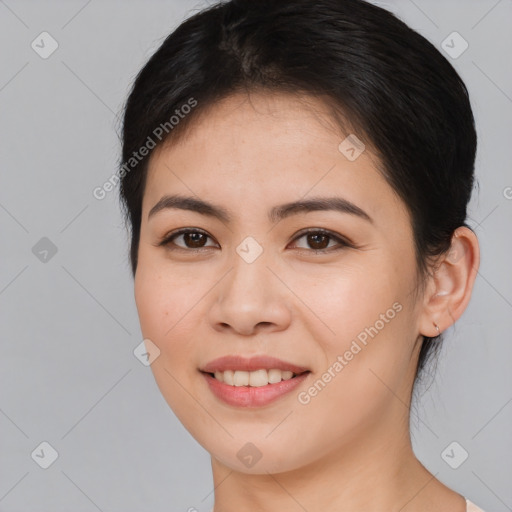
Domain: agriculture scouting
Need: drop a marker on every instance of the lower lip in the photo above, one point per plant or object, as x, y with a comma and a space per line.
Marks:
246, 396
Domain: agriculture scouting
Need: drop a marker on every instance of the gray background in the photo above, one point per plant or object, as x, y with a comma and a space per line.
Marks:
68, 375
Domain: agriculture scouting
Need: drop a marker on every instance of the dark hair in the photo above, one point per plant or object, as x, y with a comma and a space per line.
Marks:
397, 92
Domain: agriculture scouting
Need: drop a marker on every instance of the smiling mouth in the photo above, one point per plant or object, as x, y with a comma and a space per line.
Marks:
257, 378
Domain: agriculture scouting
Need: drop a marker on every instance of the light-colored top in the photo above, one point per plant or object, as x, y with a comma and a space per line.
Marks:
470, 507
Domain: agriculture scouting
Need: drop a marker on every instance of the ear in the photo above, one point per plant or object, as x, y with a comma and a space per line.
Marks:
451, 283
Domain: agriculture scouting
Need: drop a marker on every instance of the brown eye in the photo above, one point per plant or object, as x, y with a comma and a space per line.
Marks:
188, 239
318, 241
194, 240
321, 240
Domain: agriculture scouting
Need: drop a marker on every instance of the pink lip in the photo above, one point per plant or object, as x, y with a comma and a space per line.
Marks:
250, 364
246, 396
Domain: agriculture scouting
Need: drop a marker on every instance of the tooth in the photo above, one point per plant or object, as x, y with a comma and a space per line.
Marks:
241, 378
255, 378
228, 377
258, 378
274, 376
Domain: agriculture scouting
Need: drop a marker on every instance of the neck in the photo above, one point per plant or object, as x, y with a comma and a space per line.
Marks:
378, 473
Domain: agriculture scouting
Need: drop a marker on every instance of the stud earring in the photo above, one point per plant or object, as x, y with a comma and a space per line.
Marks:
437, 327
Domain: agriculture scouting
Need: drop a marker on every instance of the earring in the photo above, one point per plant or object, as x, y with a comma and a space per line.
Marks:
437, 327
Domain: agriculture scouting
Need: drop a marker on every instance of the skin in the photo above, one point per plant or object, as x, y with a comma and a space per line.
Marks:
349, 448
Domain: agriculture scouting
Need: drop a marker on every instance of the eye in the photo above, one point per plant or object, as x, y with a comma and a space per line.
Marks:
318, 240
190, 239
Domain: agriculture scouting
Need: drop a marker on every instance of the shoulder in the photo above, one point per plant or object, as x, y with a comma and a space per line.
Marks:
471, 507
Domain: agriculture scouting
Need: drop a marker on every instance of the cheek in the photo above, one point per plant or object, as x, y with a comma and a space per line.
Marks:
363, 360
169, 305
162, 300
151, 303
360, 315
162, 305
345, 301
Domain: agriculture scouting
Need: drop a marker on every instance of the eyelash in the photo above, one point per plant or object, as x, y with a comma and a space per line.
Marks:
343, 242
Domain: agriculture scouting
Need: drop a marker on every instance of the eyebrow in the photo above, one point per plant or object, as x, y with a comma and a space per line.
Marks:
276, 214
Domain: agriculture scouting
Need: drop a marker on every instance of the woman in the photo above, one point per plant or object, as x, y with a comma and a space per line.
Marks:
296, 176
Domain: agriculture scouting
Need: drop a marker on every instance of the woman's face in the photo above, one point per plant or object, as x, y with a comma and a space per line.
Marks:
249, 282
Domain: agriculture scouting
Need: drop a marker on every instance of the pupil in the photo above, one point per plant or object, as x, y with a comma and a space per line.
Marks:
194, 239
315, 241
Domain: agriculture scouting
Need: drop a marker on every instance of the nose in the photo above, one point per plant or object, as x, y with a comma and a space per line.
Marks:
250, 299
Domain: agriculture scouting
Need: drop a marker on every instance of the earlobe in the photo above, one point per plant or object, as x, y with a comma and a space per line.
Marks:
451, 283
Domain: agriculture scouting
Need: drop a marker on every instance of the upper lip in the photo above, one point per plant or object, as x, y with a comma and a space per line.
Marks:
249, 364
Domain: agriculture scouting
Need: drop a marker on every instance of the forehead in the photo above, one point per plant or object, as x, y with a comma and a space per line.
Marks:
267, 148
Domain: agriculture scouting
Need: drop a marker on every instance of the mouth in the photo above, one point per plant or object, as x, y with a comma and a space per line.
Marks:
252, 382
